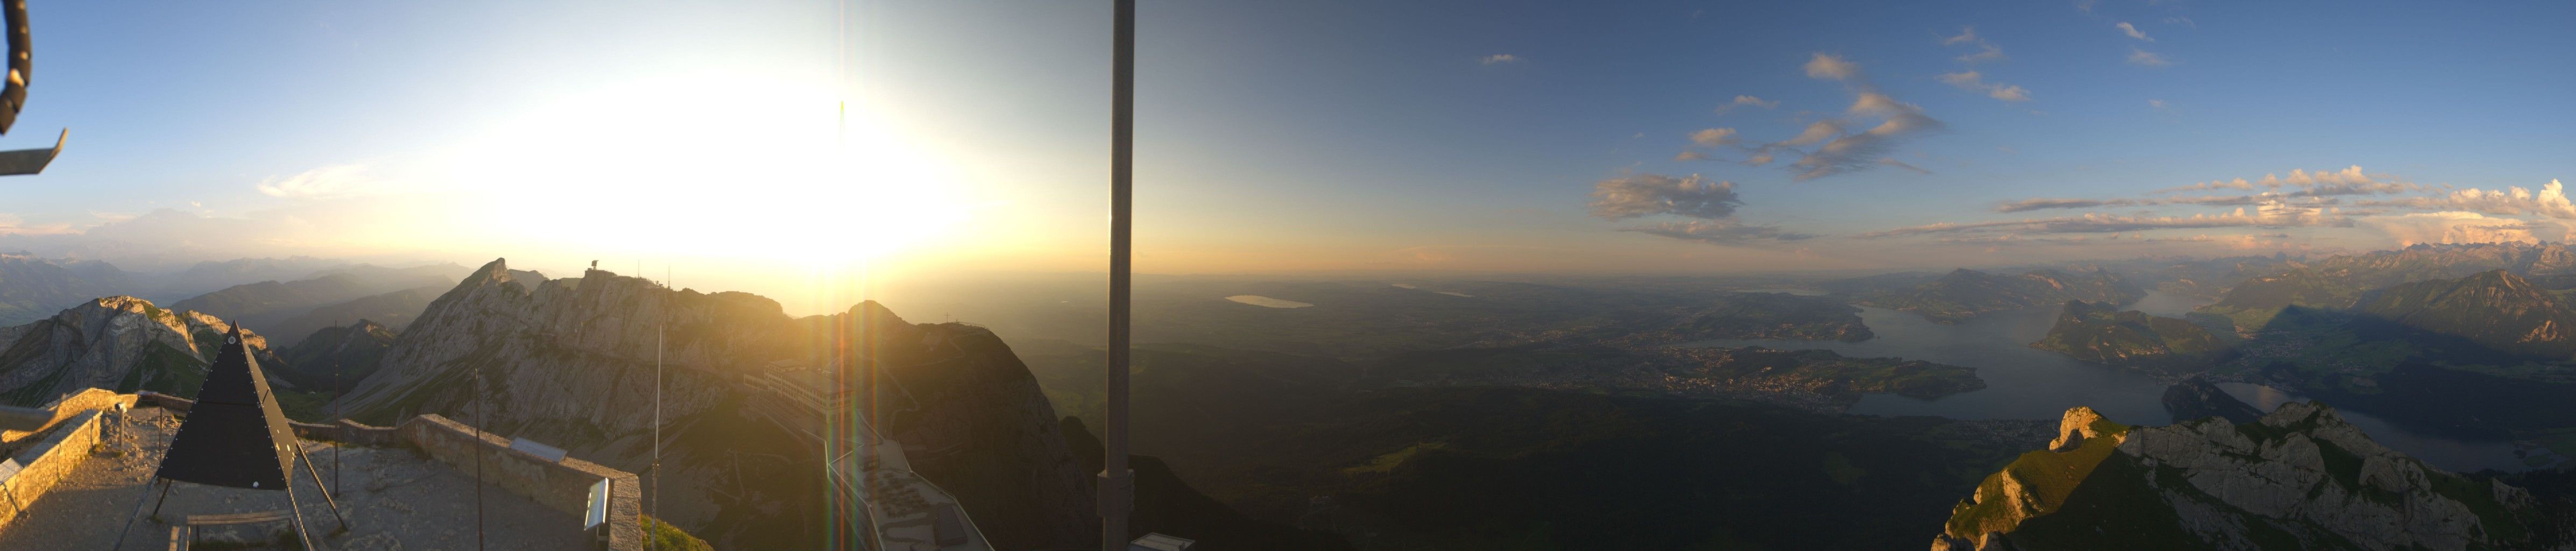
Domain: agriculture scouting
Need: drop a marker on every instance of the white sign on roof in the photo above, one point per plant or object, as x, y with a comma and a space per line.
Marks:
531, 447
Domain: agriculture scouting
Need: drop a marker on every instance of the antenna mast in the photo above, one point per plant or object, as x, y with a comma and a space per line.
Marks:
658, 330
1117, 483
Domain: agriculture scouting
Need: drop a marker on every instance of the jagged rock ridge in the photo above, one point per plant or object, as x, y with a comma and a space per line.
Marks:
121, 343
2299, 478
571, 361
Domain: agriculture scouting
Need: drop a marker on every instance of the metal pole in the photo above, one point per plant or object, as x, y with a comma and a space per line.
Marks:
341, 428
1117, 484
478, 458
651, 535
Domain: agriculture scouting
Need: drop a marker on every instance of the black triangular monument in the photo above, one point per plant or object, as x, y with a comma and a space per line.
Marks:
234, 436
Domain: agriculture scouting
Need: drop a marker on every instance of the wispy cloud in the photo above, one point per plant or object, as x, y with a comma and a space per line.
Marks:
1986, 51
1639, 195
2269, 215
1974, 82
1498, 59
2156, 104
2133, 32
1721, 232
2051, 203
11, 224
1715, 137
1831, 67
2147, 58
1853, 151
1902, 165
329, 181
1742, 101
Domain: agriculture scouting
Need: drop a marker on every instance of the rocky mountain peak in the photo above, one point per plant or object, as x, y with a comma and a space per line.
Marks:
2301, 477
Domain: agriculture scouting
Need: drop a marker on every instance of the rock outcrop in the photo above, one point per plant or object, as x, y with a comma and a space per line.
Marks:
2298, 478
121, 343
571, 362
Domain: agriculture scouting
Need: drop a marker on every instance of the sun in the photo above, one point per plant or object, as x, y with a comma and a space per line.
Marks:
748, 166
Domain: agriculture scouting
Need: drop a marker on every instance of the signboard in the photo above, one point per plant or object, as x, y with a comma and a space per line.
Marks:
597, 513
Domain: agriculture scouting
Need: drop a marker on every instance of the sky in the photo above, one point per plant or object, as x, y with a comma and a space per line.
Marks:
814, 150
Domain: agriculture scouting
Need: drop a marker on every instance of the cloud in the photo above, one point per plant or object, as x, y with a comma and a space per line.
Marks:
1498, 59
1831, 67
2349, 181
1816, 132
2550, 201
1721, 232
1715, 137
2269, 215
2047, 203
2156, 104
1741, 101
2147, 58
1973, 82
11, 224
2085, 6
1986, 51
2454, 227
329, 181
2133, 32
1759, 158
1851, 151
1690, 155
1651, 194
1901, 164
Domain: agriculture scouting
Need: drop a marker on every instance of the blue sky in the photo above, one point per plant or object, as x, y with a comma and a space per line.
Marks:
1328, 135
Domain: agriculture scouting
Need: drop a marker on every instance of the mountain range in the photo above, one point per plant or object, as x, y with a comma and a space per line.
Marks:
34, 288
1966, 293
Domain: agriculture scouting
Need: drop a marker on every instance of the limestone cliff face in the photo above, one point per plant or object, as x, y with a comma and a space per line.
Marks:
570, 362
2299, 478
121, 343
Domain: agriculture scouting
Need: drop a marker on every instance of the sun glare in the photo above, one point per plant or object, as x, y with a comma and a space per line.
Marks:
727, 167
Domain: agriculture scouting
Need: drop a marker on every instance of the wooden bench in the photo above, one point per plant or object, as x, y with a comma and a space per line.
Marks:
181, 537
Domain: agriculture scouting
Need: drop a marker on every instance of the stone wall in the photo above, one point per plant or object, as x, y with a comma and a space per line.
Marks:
47, 462
563, 486
70, 406
345, 431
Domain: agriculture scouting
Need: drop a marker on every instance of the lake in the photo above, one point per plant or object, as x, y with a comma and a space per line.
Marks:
2028, 383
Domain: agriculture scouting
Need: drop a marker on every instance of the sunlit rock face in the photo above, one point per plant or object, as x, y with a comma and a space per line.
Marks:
571, 362
121, 343
2298, 478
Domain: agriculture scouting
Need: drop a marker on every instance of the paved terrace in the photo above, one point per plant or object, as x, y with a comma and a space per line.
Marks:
395, 499
410, 488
